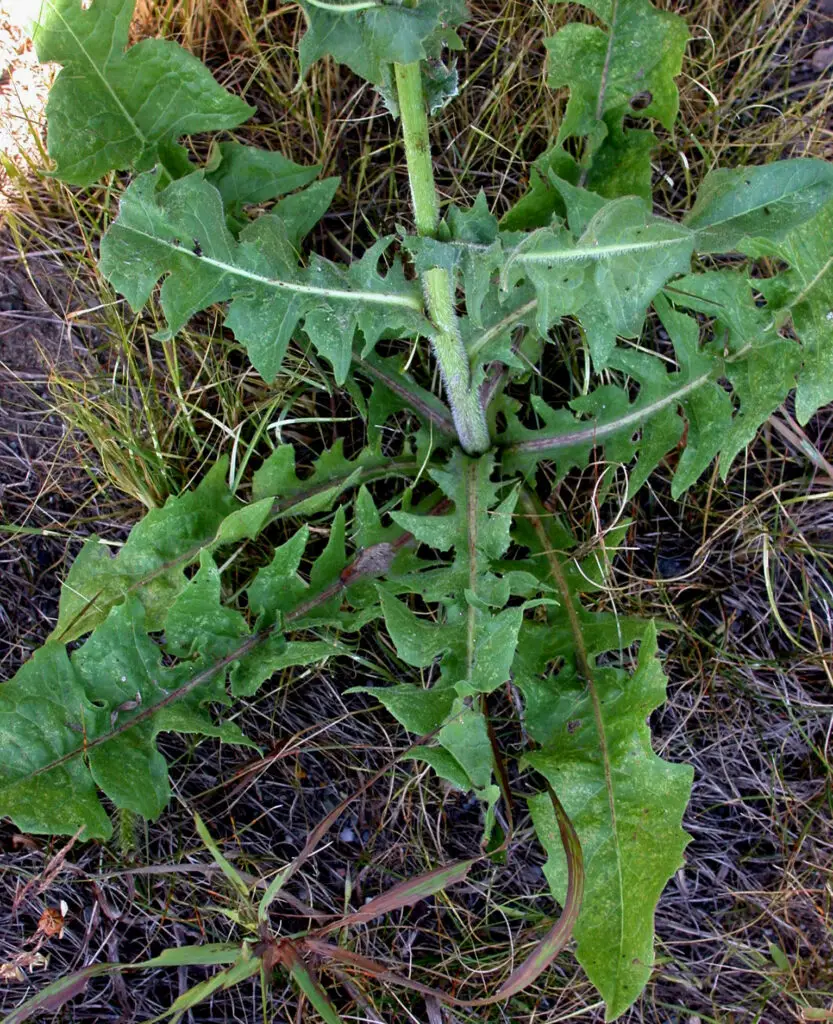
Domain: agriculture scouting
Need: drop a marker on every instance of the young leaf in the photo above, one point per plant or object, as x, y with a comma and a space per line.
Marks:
371, 35
228, 869
595, 750
307, 981
474, 251
245, 967
180, 234
112, 107
209, 953
758, 202
477, 635
628, 66
604, 268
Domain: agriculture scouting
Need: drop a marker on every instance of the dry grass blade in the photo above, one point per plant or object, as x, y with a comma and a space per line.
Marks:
58, 994
559, 935
405, 894
48, 876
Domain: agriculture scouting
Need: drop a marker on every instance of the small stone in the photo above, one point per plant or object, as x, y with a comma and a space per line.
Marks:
823, 58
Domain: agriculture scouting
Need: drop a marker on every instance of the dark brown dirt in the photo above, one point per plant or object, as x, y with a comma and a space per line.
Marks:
41, 477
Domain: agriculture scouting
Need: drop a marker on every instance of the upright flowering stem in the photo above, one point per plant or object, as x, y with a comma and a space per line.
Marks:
463, 398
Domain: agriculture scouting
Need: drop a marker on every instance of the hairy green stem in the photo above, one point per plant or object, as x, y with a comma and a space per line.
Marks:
414, 114
464, 400
466, 408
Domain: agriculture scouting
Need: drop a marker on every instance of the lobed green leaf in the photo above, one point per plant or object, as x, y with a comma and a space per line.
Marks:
475, 634
180, 234
245, 175
151, 564
88, 722
625, 803
113, 107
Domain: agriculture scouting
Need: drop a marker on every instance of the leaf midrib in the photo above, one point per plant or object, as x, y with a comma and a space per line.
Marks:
580, 252
598, 431
597, 252
377, 298
585, 672
809, 285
